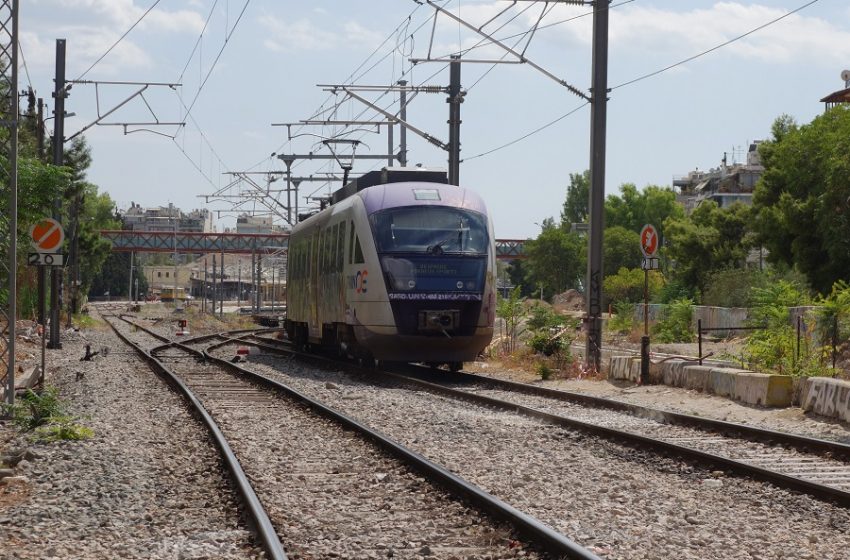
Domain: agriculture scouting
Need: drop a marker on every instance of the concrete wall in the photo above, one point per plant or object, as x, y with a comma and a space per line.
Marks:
827, 397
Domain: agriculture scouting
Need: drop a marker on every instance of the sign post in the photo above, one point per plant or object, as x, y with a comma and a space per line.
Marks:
649, 248
46, 237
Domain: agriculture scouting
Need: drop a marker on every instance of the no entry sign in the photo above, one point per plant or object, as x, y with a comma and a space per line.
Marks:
47, 235
648, 241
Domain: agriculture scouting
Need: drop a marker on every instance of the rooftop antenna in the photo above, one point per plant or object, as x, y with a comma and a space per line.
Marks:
845, 75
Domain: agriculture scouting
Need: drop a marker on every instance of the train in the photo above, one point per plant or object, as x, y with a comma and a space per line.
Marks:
399, 267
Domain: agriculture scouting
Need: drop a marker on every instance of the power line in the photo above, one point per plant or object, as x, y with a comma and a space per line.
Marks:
218, 56
26, 68
532, 133
198, 42
651, 74
721, 45
109, 50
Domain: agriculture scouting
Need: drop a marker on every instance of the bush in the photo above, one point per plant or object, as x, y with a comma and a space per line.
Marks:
627, 285
675, 326
544, 343
733, 287
623, 320
544, 371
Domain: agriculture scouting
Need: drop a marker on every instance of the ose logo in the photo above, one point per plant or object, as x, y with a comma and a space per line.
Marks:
360, 281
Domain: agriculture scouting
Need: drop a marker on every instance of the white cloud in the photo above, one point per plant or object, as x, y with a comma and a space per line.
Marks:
124, 13
683, 33
88, 45
304, 35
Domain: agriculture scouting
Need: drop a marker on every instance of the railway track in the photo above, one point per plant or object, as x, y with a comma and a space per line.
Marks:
607, 491
326, 486
813, 466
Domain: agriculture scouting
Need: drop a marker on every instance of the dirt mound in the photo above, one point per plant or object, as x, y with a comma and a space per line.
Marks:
570, 300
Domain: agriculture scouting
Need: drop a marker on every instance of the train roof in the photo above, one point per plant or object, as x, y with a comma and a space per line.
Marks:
418, 193
389, 175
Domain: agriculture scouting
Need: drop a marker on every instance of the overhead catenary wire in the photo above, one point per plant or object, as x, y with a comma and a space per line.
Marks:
720, 46
644, 77
115, 44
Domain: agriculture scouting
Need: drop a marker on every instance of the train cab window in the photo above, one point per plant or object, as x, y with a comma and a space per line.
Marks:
358, 252
430, 230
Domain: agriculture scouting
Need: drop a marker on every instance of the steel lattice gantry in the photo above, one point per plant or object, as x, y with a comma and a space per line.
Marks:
169, 242
8, 191
191, 242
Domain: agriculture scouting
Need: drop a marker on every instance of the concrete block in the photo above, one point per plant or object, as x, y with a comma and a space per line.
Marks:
28, 379
763, 389
624, 368
827, 397
696, 377
673, 372
721, 381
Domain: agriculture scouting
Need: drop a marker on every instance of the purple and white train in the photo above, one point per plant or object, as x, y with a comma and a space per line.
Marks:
401, 267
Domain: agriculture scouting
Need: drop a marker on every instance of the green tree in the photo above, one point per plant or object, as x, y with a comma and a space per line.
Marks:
576, 206
621, 249
98, 212
633, 209
555, 260
802, 202
708, 240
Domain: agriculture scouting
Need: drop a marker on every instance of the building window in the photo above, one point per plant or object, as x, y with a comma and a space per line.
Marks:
159, 274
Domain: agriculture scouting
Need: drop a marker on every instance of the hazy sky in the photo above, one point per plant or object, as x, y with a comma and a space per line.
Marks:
244, 65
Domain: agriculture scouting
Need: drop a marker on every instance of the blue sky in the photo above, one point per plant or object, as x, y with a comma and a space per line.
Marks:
259, 62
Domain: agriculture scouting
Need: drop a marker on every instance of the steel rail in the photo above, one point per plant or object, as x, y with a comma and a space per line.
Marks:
827, 493
538, 533
262, 523
801, 443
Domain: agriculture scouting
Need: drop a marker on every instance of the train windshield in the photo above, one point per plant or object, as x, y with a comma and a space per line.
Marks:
430, 230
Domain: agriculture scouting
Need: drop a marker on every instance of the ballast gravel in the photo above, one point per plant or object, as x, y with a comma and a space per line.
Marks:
148, 484
619, 502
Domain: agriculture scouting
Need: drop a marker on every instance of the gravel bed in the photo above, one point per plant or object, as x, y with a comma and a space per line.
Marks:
328, 492
774, 457
621, 503
792, 420
148, 484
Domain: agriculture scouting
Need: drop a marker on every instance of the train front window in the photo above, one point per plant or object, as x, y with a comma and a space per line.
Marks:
431, 230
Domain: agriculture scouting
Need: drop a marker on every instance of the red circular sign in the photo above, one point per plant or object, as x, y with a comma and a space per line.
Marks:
648, 240
47, 235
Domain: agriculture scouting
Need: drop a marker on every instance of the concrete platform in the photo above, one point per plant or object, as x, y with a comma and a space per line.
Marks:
742, 385
827, 397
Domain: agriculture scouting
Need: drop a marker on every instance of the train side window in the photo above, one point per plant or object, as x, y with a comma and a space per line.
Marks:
351, 244
337, 249
328, 250
358, 252
340, 247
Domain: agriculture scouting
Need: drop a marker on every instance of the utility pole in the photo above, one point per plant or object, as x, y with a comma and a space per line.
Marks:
454, 100
402, 114
598, 120
9, 189
59, 95
132, 258
42, 275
